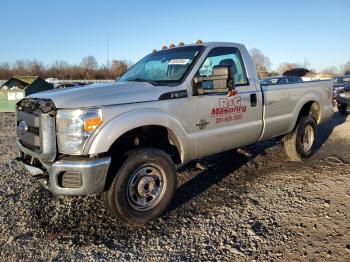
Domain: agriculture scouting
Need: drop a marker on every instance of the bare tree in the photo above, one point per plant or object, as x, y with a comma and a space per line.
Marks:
261, 62
346, 68
21, 67
88, 65
89, 62
119, 67
5, 71
35, 67
87, 69
331, 70
273, 73
59, 69
286, 66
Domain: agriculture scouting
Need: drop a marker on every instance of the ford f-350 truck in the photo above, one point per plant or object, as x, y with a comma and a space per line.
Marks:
125, 139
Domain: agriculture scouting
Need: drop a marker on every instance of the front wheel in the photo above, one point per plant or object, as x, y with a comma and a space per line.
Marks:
300, 143
143, 186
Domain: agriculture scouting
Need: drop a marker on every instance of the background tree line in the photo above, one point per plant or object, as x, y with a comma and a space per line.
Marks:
87, 69
263, 66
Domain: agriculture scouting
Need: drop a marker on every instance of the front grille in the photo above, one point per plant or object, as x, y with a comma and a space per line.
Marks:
36, 126
32, 129
31, 147
28, 130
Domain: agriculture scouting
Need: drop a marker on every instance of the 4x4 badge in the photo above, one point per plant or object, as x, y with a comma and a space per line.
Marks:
202, 124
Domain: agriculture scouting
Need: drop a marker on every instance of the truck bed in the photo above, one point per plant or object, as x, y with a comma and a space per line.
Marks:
282, 104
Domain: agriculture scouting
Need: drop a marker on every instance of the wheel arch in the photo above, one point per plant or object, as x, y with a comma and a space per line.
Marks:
137, 120
309, 105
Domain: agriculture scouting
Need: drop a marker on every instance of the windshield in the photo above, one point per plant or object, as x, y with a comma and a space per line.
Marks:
341, 80
165, 66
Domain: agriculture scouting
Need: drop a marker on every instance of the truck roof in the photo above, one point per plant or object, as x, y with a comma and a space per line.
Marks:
208, 44
220, 43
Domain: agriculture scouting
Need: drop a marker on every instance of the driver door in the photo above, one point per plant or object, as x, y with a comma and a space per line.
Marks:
218, 122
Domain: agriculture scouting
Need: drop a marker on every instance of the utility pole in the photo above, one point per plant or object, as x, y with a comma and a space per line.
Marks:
107, 52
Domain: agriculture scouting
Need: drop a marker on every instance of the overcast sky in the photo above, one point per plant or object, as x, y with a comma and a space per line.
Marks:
285, 31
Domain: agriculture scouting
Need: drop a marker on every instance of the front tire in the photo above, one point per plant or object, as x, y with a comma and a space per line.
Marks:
300, 143
143, 187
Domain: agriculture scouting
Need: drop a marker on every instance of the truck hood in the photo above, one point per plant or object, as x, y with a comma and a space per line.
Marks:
103, 94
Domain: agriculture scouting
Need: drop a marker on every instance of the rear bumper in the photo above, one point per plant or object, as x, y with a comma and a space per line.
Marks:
85, 176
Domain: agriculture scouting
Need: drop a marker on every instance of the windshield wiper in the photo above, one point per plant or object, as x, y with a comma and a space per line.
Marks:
144, 80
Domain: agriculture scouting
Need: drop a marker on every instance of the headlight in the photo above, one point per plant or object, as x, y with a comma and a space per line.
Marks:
74, 127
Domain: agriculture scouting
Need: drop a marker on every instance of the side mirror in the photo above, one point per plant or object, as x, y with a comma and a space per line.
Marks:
221, 81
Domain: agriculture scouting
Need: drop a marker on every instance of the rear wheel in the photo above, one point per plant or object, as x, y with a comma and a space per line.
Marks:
300, 143
143, 186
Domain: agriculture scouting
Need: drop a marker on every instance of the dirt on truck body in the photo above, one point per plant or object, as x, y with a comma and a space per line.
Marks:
251, 205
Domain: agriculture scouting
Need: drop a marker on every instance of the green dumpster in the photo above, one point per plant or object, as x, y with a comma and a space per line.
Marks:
17, 88
9, 98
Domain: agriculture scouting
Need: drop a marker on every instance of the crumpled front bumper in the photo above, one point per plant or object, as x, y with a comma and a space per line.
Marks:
87, 176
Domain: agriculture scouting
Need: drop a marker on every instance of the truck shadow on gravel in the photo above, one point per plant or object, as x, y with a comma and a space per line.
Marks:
326, 129
220, 166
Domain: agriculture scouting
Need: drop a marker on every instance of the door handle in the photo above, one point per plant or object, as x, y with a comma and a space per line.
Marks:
253, 100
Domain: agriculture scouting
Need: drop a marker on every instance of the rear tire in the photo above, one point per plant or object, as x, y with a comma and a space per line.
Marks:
143, 187
300, 143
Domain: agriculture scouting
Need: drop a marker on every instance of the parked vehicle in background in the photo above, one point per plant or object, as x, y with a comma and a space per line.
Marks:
343, 100
125, 139
74, 84
339, 84
278, 80
298, 71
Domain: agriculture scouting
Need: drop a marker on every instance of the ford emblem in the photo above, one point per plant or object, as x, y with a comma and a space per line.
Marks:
22, 127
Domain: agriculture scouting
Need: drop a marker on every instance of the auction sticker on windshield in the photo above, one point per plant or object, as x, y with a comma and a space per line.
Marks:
179, 61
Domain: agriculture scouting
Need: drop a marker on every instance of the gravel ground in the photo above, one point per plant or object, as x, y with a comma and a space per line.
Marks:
250, 204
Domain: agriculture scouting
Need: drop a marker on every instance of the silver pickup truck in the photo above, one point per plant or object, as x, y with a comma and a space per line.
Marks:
126, 139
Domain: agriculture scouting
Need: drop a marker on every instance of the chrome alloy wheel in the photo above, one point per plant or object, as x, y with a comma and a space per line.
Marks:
308, 138
146, 187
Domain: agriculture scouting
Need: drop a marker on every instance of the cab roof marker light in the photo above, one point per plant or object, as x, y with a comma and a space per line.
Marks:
154, 50
199, 42
171, 46
181, 43
164, 47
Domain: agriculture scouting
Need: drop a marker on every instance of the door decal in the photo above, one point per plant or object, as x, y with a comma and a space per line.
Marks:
229, 109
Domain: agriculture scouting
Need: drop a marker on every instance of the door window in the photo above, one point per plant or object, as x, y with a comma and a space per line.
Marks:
225, 56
